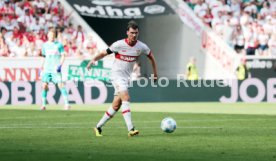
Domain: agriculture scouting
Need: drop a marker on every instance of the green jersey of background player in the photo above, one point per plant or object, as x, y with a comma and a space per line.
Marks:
53, 58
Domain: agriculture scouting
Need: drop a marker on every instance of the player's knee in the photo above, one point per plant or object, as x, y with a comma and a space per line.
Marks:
60, 85
45, 86
125, 97
116, 104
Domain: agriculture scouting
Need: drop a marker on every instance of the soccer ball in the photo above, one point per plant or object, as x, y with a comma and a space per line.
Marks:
168, 125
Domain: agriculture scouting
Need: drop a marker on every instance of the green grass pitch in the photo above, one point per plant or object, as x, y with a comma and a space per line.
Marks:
205, 132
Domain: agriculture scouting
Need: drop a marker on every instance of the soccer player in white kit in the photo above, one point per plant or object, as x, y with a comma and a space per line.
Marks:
126, 53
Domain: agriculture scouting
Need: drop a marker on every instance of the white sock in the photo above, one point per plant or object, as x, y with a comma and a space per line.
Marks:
108, 115
127, 114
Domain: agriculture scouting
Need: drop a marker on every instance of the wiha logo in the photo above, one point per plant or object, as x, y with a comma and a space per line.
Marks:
126, 57
109, 12
122, 2
120, 8
259, 64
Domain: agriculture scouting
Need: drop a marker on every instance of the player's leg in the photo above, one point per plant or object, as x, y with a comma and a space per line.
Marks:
46, 78
64, 95
126, 109
121, 85
58, 79
116, 104
44, 95
110, 112
124, 95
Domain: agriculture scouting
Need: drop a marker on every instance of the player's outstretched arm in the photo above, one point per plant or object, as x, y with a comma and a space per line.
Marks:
43, 58
96, 58
154, 66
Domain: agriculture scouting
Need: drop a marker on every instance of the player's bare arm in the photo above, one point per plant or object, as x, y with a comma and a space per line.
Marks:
154, 66
96, 58
62, 59
43, 61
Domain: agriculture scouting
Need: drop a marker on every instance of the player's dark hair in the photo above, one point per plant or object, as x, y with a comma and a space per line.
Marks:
132, 24
54, 31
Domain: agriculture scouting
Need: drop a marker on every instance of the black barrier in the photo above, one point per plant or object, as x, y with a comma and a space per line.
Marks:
98, 92
120, 9
262, 68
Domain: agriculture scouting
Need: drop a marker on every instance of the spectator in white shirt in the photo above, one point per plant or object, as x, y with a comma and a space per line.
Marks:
260, 20
40, 4
238, 39
200, 8
89, 47
263, 42
245, 18
265, 11
19, 10
228, 29
236, 8
27, 18
79, 36
214, 4
250, 7
36, 26
272, 5
251, 39
207, 18
268, 26
217, 24
272, 45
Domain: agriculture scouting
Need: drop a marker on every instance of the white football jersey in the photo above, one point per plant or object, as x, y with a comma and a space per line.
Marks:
125, 57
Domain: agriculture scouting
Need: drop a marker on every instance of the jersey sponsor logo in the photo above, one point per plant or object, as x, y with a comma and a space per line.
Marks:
51, 52
126, 57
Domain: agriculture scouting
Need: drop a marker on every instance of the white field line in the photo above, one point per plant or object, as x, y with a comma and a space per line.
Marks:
85, 125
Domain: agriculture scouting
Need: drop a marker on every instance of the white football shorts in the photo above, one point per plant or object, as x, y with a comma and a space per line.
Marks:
120, 85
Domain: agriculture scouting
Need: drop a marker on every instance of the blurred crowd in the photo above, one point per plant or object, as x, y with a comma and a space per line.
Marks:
249, 26
24, 25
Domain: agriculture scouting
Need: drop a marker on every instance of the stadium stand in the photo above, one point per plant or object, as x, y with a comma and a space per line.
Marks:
24, 24
249, 26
